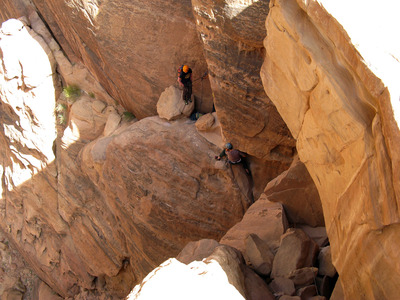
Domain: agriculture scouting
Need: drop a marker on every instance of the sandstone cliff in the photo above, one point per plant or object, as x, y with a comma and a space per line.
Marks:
341, 116
96, 201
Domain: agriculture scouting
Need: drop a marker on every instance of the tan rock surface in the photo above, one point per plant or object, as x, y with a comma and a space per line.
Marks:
341, 116
296, 190
265, 219
77, 233
170, 106
166, 193
120, 43
296, 251
197, 250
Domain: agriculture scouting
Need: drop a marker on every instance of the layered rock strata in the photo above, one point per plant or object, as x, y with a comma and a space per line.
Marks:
232, 33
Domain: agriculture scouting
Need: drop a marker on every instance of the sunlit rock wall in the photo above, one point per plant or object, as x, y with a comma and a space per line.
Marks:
341, 115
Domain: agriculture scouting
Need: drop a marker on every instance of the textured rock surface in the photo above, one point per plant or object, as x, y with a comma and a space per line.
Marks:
170, 106
232, 33
79, 236
79, 222
296, 251
168, 190
341, 116
296, 190
265, 219
120, 42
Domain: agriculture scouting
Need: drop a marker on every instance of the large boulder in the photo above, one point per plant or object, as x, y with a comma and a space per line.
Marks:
171, 106
168, 191
296, 190
264, 219
296, 251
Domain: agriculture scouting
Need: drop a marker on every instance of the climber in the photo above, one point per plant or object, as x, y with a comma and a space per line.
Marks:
185, 81
234, 156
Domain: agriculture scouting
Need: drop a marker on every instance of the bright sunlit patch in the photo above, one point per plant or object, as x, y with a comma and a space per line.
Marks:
234, 8
28, 93
374, 28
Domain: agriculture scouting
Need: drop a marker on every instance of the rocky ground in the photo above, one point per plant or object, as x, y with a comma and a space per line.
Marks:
17, 281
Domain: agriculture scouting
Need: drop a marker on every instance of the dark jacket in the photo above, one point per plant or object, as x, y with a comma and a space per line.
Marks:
234, 156
186, 77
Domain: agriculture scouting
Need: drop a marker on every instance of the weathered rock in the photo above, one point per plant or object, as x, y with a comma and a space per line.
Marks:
342, 117
286, 297
232, 34
112, 123
296, 190
167, 195
205, 122
325, 286
317, 234
45, 292
197, 250
256, 288
13, 295
325, 266
259, 255
209, 127
338, 292
85, 121
307, 292
282, 286
170, 106
265, 219
137, 61
303, 276
296, 251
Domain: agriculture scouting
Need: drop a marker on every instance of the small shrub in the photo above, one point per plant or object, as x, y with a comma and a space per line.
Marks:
61, 108
128, 116
61, 119
91, 95
72, 92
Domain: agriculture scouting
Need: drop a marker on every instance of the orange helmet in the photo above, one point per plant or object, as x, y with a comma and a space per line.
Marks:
185, 68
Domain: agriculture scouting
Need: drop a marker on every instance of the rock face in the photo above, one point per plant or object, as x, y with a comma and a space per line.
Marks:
341, 116
83, 206
96, 207
120, 42
167, 192
296, 190
232, 33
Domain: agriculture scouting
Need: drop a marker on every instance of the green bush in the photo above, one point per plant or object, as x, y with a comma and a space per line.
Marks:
61, 108
61, 119
128, 116
72, 92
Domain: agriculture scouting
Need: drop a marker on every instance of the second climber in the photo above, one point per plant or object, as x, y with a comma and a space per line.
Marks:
185, 81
